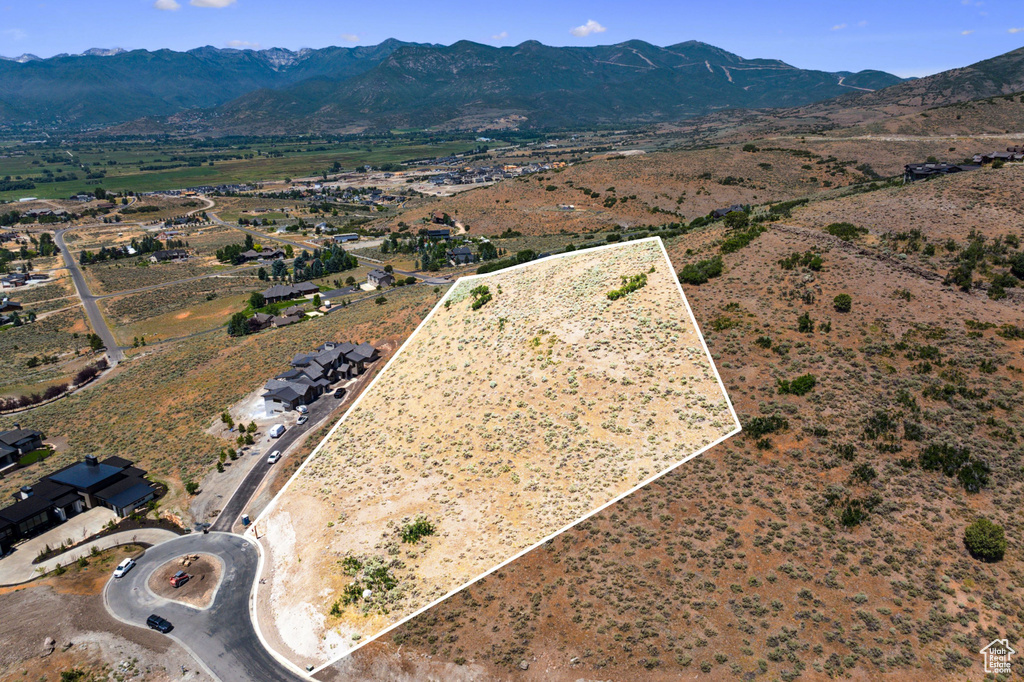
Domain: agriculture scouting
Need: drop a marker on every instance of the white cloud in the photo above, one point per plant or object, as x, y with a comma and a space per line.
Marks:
839, 27
967, 32
586, 29
167, 5
350, 37
1015, 30
243, 45
211, 3
500, 36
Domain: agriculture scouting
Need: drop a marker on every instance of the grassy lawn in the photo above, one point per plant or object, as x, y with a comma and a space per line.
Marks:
199, 317
35, 456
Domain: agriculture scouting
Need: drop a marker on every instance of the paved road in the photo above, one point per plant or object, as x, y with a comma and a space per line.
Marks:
319, 411
99, 325
221, 637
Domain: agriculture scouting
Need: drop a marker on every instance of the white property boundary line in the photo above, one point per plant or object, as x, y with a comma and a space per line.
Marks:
262, 517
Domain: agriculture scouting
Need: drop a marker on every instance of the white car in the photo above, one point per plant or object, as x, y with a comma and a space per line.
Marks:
303, 418
274, 456
302, 409
124, 567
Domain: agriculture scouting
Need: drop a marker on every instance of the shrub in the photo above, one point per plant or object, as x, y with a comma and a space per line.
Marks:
741, 239
845, 231
481, 295
985, 540
700, 272
842, 303
629, 285
191, 487
804, 324
760, 426
799, 386
412, 532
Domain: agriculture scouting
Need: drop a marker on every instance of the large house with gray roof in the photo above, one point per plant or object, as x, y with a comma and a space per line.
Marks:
311, 374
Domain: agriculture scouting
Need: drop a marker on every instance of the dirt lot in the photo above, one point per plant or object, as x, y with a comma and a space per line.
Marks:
597, 395
206, 572
69, 610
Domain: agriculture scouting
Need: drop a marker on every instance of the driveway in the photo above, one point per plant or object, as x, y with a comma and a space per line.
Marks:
319, 411
222, 637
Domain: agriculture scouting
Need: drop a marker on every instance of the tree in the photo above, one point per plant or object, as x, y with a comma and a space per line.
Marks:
805, 324
256, 300
736, 220
288, 250
191, 487
488, 251
842, 303
985, 540
262, 274
238, 325
316, 300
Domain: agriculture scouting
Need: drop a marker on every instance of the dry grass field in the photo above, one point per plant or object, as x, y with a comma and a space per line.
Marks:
156, 407
498, 424
674, 186
818, 544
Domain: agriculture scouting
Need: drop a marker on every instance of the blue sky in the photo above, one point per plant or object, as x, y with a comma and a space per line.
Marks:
906, 37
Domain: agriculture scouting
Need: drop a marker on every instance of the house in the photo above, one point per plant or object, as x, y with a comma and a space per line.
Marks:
262, 254
283, 395
380, 278
441, 233
18, 442
113, 483
260, 321
284, 321
923, 171
286, 292
350, 237
722, 212
7, 305
439, 218
168, 255
460, 255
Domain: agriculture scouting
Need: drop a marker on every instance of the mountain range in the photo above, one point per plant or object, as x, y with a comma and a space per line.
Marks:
464, 85
407, 84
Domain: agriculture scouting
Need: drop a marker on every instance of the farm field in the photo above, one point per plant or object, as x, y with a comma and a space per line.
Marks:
498, 424
298, 159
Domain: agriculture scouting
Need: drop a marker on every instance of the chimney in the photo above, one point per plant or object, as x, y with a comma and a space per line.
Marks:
26, 492
17, 427
90, 461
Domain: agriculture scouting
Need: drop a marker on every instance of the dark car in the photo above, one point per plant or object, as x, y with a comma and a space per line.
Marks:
157, 623
339, 393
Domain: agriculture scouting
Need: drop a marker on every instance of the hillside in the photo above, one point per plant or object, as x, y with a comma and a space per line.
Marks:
471, 85
821, 544
99, 89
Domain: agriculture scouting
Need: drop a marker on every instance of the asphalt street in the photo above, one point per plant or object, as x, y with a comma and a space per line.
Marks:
99, 325
222, 636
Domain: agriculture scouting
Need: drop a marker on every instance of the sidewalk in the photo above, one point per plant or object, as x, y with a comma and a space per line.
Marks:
18, 567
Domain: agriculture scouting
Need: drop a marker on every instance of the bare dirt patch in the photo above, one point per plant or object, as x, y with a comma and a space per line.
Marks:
205, 573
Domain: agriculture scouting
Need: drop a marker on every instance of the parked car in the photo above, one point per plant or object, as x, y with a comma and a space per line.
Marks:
274, 456
302, 409
339, 393
179, 579
277, 430
157, 623
123, 567
303, 418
